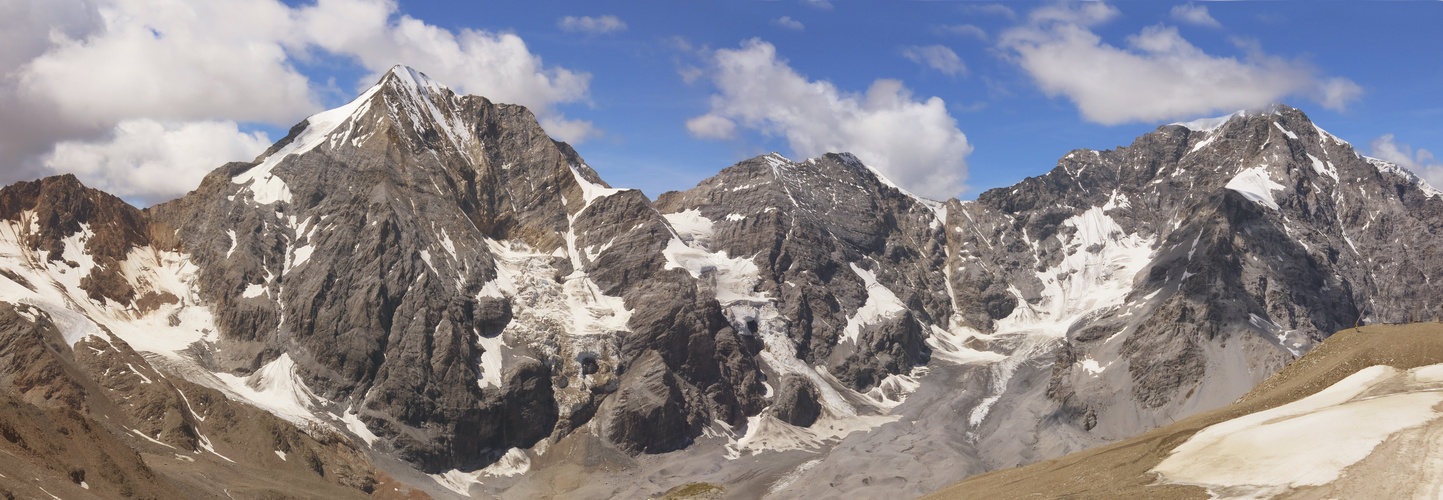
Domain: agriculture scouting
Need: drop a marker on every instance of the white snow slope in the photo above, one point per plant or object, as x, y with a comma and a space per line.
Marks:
1308, 442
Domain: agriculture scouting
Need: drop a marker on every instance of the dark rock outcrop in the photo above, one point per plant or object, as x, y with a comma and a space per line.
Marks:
796, 401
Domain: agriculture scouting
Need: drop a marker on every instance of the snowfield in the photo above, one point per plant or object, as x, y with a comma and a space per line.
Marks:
1308, 442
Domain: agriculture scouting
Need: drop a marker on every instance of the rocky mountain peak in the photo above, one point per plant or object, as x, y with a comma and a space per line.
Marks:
432, 275
416, 228
69, 223
1211, 124
402, 76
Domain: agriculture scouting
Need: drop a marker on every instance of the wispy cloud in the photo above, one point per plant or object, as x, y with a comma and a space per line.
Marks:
1194, 14
818, 4
936, 57
603, 25
788, 23
966, 30
993, 9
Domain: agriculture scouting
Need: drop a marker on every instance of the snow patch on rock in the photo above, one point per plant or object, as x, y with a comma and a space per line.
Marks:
1084, 281
276, 388
690, 225
1256, 185
881, 304
1322, 169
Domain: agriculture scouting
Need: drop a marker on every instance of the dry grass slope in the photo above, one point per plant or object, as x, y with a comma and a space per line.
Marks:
1121, 470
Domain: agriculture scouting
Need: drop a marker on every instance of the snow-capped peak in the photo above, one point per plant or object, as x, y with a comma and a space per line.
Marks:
1387, 166
421, 96
1214, 123
937, 207
410, 78
265, 187
1210, 124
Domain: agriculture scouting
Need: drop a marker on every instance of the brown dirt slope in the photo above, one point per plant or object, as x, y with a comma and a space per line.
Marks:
1120, 470
99, 421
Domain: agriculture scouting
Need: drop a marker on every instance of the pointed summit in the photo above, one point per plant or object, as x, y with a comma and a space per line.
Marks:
406, 77
411, 101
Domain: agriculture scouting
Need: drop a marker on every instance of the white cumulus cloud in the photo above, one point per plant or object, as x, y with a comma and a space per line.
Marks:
152, 161
592, 25
173, 61
1158, 75
79, 78
936, 57
496, 65
1422, 162
710, 126
914, 142
1194, 14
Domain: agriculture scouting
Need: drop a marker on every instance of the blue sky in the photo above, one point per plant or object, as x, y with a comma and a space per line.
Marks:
947, 98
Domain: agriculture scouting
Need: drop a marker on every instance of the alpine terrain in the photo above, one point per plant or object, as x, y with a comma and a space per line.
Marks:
421, 293
1367, 393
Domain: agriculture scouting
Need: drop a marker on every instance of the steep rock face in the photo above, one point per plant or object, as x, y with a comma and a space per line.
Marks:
90, 415
1132, 287
408, 249
1179, 271
825, 261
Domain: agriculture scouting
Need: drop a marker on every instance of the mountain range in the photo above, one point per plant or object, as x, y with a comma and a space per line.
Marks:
422, 294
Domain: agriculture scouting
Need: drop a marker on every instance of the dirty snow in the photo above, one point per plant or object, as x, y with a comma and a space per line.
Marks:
275, 388
690, 225
515, 461
526, 274
1273, 451
492, 363
1092, 280
254, 290
735, 277
356, 426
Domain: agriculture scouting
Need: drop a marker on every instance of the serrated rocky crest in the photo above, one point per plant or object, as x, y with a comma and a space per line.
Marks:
433, 276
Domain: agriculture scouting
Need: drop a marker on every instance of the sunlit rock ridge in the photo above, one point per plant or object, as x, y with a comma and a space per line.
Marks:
432, 279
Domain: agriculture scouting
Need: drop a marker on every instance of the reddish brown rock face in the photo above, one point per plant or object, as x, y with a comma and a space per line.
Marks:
59, 207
